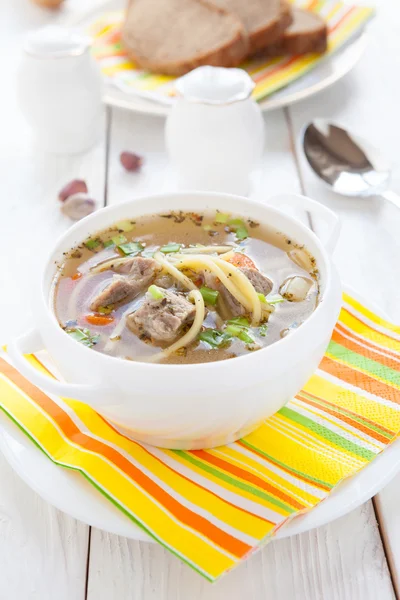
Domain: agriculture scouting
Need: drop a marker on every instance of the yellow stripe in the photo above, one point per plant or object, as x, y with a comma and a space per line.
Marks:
301, 459
343, 426
226, 513
303, 435
245, 462
370, 315
341, 396
363, 329
200, 551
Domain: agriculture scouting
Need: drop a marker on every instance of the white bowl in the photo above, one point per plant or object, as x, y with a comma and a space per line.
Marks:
187, 406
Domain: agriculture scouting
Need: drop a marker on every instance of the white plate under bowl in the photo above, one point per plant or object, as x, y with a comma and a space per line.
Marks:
72, 494
321, 77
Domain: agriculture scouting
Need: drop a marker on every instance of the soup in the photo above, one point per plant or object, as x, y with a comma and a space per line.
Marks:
182, 288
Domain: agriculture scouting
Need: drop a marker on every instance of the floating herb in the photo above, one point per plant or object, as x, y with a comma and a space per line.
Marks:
156, 292
125, 226
108, 244
276, 299
119, 239
169, 248
209, 296
131, 248
221, 218
83, 336
214, 338
93, 243
263, 330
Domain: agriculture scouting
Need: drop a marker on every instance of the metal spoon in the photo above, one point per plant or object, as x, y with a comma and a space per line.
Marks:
348, 164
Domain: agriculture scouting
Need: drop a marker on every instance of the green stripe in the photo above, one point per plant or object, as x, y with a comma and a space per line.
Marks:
327, 434
359, 361
275, 461
235, 482
109, 497
343, 411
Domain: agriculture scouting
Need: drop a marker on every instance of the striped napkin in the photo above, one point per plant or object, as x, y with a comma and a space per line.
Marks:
212, 508
344, 22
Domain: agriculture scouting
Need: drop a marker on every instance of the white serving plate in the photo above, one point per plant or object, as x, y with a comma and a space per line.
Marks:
321, 77
72, 494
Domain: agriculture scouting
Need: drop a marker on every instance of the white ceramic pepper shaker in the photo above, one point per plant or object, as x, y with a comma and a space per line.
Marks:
60, 90
215, 131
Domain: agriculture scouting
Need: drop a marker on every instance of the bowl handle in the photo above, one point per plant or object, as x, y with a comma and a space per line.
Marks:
315, 208
30, 342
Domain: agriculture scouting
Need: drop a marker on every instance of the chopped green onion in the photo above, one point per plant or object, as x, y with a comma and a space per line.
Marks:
214, 338
119, 239
236, 223
207, 227
275, 299
209, 296
83, 336
241, 233
92, 244
239, 332
125, 226
262, 298
105, 310
221, 218
108, 244
263, 330
156, 292
131, 248
239, 228
241, 321
169, 248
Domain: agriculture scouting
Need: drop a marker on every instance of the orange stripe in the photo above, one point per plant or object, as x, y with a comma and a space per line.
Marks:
181, 475
354, 346
72, 432
308, 480
342, 20
389, 431
359, 379
238, 472
373, 346
346, 419
372, 328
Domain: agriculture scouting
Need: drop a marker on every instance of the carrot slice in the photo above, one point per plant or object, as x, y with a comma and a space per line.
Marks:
241, 260
99, 320
76, 276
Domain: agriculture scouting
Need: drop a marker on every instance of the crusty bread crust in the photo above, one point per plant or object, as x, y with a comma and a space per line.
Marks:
229, 54
269, 34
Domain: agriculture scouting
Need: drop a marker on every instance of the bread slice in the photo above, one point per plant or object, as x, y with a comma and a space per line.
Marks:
176, 36
307, 33
264, 20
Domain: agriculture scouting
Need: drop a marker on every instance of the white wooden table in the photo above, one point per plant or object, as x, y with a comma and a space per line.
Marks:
47, 555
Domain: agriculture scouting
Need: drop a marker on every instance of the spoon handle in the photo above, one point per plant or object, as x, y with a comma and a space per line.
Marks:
392, 197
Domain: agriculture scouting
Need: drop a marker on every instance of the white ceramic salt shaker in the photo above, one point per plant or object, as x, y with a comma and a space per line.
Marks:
215, 131
60, 90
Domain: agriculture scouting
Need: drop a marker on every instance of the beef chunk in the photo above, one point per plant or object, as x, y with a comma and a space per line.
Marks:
260, 282
138, 273
119, 289
161, 320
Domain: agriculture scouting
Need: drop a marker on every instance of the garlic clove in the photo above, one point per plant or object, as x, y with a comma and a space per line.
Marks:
73, 187
78, 206
130, 161
295, 289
